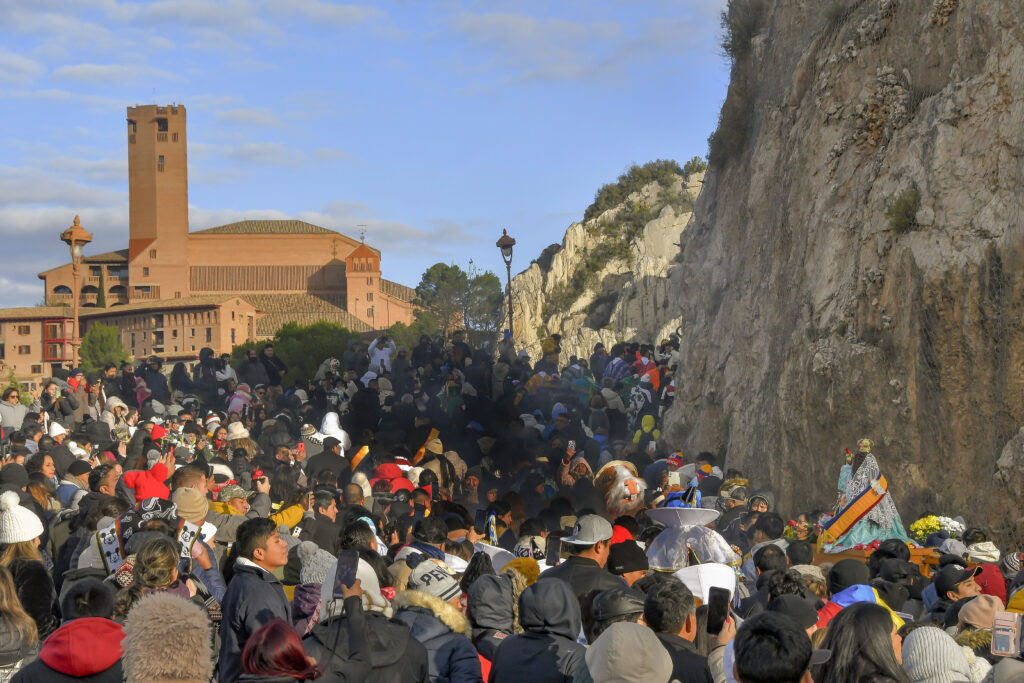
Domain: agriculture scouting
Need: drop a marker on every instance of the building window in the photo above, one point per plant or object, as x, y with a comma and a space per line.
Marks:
133, 340
3, 353
193, 348
142, 289
369, 296
174, 335
369, 312
232, 315
117, 271
37, 369
145, 272
174, 137
95, 271
193, 334
152, 253
160, 163
161, 125
232, 336
369, 281
132, 128
24, 350
209, 334
24, 329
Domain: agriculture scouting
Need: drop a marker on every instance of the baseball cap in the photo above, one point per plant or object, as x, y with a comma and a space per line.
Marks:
232, 491
589, 529
627, 557
951, 576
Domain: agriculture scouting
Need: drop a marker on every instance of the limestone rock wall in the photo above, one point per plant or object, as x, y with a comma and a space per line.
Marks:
632, 300
810, 318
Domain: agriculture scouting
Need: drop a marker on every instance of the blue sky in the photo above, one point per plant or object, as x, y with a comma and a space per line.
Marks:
435, 124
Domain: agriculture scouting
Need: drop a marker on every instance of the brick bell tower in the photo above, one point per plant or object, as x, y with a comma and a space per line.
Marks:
157, 203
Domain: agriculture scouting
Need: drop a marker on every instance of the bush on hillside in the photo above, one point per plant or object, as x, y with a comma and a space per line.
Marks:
662, 171
902, 208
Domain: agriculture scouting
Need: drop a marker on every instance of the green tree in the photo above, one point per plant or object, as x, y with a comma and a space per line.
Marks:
101, 345
303, 347
442, 291
481, 309
408, 336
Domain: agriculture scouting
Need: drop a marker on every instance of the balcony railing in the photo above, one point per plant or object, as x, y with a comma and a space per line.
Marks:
153, 293
161, 137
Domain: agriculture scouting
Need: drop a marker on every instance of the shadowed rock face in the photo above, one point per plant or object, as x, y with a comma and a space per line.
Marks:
809, 317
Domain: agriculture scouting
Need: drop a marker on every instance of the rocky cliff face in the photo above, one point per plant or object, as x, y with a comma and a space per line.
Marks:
855, 266
628, 296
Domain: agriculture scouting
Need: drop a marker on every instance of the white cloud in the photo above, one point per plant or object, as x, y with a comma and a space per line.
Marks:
57, 95
111, 74
318, 12
329, 154
30, 186
17, 69
264, 153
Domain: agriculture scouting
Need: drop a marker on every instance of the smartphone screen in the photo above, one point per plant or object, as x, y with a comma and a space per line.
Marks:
554, 551
674, 479
345, 575
480, 520
718, 609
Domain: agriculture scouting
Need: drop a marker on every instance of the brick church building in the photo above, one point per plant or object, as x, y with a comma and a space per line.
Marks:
172, 292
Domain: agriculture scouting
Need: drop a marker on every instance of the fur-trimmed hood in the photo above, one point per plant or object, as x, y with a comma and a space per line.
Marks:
167, 640
975, 638
442, 611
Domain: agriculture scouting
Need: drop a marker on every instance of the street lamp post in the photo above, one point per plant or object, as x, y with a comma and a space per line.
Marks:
505, 243
75, 237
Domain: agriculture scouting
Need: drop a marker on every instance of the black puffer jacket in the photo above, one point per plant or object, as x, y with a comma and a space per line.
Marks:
394, 655
37, 594
490, 613
444, 632
547, 652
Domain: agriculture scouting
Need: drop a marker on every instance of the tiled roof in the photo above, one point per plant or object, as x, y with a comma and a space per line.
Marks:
35, 313
286, 227
400, 292
119, 256
181, 302
305, 309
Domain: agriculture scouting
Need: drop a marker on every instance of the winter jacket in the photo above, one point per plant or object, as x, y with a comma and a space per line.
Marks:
148, 483
37, 594
584, 575
14, 651
380, 354
392, 653
490, 613
275, 366
87, 649
444, 632
156, 382
252, 373
11, 416
61, 408
70, 491
254, 597
687, 665
547, 651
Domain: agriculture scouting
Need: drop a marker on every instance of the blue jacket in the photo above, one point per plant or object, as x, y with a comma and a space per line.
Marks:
254, 598
444, 632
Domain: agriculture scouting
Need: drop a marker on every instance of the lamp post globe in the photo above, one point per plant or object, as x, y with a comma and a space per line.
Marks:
76, 237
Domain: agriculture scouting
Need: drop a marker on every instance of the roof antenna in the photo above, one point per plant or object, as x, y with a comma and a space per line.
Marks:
362, 233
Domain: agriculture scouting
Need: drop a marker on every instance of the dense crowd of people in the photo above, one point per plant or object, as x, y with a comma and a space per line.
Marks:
451, 514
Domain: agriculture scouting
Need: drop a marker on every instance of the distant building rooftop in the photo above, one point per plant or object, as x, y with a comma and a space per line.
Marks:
119, 256
282, 227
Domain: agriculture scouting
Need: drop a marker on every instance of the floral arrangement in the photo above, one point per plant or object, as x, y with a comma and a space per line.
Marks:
799, 531
930, 524
924, 527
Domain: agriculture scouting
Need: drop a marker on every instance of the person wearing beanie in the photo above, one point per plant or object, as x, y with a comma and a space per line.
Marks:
614, 656
20, 531
974, 624
628, 561
432, 608
167, 640
87, 646
192, 505
930, 655
546, 651
75, 484
151, 483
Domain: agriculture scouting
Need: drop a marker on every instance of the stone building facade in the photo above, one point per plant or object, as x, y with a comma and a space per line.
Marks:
172, 291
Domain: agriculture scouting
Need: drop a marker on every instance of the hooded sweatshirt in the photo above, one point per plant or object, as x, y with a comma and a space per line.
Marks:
547, 651
87, 648
490, 613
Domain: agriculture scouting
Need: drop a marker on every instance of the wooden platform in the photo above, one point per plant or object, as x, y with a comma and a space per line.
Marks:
926, 559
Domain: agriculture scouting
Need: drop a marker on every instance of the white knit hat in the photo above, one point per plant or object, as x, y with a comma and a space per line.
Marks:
237, 430
17, 524
56, 429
